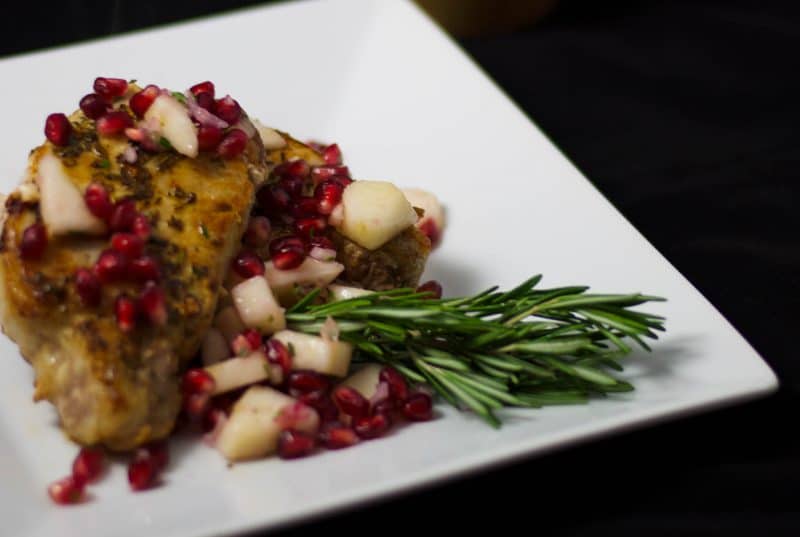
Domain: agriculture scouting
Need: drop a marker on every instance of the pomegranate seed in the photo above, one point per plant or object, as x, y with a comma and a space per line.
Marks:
153, 304
296, 415
113, 123
293, 185
342, 180
294, 444
122, 215
196, 405
111, 266
387, 406
66, 491
332, 155
57, 129
304, 208
337, 436
203, 87
320, 401
288, 260
247, 264
110, 87
372, 426
278, 354
158, 452
197, 381
88, 464
125, 312
34, 241
316, 145
88, 287
398, 389
321, 241
429, 228
208, 137
141, 227
143, 269
233, 144
227, 109
433, 287
310, 227
140, 102
127, 244
328, 194
212, 419
142, 473
289, 242
418, 407
350, 402
257, 233
253, 337
98, 201
323, 173
274, 198
246, 342
304, 381
293, 168
205, 100
93, 106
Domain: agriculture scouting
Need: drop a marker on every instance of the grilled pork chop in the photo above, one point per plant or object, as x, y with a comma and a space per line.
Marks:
106, 327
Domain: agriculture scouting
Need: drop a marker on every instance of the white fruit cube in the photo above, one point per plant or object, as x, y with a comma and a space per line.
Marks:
374, 212
237, 372
257, 306
365, 381
174, 124
434, 212
311, 273
324, 356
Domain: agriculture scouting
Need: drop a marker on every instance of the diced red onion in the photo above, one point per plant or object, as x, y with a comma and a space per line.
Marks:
245, 125
203, 116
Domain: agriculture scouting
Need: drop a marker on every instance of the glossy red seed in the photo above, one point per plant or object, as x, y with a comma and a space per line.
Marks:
88, 287
233, 144
310, 227
127, 244
429, 228
143, 269
323, 173
153, 304
98, 201
246, 342
141, 227
140, 102
88, 464
247, 264
328, 194
278, 354
372, 426
418, 407
227, 109
205, 100
125, 311
398, 388
113, 123
196, 405
294, 444
274, 199
142, 473
158, 452
350, 402
293, 168
433, 287
208, 137
288, 242
123, 215
197, 381
66, 491
321, 241
337, 436
320, 400
288, 260
342, 180
257, 232
57, 129
332, 155
111, 266
110, 87
387, 406
304, 207
33, 242
293, 185
203, 87
253, 337
93, 106
304, 381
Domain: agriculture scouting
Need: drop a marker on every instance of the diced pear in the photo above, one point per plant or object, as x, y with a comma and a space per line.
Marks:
344, 292
251, 430
237, 372
257, 306
174, 124
365, 380
374, 213
324, 356
311, 272
270, 137
61, 203
434, 212
228, 322
215, 347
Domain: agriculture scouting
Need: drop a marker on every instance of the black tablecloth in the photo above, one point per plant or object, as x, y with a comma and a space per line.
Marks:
685, 116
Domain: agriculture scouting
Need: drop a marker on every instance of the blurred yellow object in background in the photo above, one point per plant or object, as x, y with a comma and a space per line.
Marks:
464, 18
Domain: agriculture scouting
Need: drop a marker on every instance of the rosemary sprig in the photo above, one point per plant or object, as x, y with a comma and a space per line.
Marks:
525, 347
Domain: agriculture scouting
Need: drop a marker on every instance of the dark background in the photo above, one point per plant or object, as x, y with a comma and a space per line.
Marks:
685, 114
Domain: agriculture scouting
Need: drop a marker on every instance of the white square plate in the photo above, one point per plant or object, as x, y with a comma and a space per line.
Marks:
406, 105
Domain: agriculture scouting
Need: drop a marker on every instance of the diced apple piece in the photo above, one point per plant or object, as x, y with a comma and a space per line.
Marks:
344, 292
311, 272
270, 137
215, 347
61, 203
228, 322
237, 372
257, 306
432, 222
174, 124
374, 213
313, 352
365, 381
